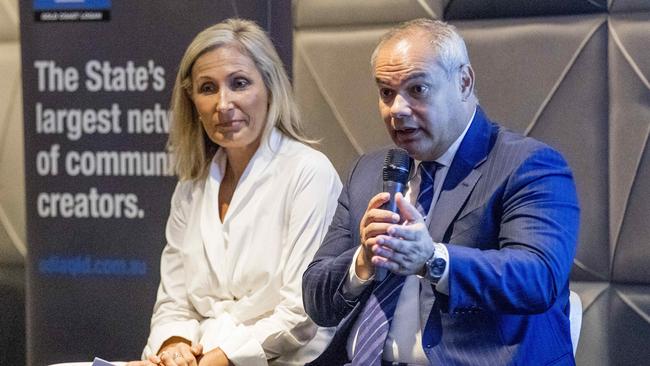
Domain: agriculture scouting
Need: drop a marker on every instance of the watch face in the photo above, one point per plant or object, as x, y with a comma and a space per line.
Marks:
438, 267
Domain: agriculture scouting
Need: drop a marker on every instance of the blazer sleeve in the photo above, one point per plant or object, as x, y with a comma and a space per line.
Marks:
323, 280
538, 218
173, 314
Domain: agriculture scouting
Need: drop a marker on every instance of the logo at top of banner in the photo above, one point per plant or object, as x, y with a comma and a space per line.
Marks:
71, 10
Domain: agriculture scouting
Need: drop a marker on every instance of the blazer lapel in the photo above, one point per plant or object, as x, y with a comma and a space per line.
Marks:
255, 172
209, 221
462, 175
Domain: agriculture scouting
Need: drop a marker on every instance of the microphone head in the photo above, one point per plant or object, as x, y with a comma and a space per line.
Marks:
397, 166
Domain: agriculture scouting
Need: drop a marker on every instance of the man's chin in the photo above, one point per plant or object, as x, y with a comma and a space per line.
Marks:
410, 148
415, 152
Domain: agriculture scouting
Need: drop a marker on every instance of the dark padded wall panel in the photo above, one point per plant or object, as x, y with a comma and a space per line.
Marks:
629, 325
511, 79
630, 154
476, 9
594, 346
581, 135
12, 321
12, 177
572, 73
319, 13
340, 87
333, 139
629, 6
538, 99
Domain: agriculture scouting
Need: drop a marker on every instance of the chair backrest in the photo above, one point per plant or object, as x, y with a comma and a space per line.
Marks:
575, 318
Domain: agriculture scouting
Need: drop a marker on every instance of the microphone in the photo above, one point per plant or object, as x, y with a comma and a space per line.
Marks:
396, 172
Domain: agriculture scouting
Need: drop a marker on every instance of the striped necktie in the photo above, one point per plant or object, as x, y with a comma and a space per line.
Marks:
375, 321
378, 312
427, 176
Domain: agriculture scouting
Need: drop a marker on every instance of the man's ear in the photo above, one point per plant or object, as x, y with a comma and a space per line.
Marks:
466, 81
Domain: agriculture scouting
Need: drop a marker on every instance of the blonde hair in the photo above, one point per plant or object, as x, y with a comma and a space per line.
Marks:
191, 147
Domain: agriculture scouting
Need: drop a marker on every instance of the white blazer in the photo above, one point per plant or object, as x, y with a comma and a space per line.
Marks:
236, 284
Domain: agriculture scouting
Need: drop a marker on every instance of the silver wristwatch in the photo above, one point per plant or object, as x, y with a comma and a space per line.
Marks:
435, 267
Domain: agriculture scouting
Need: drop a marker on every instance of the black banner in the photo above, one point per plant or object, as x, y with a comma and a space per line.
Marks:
97, 79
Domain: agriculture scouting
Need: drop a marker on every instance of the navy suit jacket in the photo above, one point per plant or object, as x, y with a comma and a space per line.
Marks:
509, 215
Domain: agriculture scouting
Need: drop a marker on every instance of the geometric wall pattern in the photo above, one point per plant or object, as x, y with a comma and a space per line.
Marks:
12, 181
12, 192
572, 73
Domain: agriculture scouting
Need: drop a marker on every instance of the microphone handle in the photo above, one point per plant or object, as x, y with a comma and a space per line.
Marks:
392, 188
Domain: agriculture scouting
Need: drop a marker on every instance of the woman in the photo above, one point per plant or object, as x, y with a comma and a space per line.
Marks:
253, 203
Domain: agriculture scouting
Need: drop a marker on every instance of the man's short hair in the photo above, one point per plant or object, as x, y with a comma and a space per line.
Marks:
445, 40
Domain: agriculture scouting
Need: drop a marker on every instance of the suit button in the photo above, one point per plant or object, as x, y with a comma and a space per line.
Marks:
429, 345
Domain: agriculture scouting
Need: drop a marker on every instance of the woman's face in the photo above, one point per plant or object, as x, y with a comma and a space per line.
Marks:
230, 97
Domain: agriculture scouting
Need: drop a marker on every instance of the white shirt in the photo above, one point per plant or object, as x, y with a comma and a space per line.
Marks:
236, 284
404, 340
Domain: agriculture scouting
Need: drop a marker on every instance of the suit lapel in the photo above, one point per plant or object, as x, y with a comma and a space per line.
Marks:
449, 204
462, 175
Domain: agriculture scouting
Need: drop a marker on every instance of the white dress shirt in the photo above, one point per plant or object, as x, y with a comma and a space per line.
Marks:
236, 284
404, 340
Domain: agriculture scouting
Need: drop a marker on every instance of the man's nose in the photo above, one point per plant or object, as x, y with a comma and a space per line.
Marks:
400, 107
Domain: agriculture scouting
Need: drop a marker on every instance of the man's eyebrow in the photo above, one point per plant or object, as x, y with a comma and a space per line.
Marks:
415, 75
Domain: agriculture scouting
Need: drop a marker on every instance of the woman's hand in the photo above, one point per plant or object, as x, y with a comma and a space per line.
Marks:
216, 357
141, 363
177, 352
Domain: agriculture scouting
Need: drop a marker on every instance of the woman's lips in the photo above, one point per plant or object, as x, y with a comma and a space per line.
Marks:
230, 126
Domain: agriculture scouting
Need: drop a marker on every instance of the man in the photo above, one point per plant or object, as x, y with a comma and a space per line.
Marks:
478, 258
